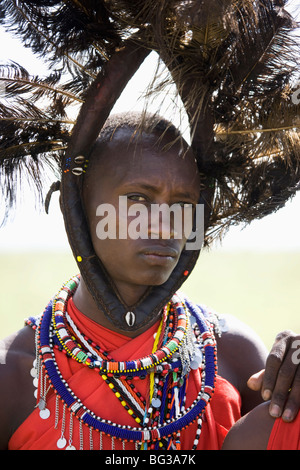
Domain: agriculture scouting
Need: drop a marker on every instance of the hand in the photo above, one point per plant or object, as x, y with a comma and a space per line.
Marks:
279, 382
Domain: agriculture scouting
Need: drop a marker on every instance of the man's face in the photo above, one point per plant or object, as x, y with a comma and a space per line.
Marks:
139, 173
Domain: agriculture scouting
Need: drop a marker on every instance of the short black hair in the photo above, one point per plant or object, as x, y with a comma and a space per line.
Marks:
139, 122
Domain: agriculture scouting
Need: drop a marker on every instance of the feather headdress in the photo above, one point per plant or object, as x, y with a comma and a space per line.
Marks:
233, 62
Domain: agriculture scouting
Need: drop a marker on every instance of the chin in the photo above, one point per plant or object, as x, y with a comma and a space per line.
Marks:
156, 279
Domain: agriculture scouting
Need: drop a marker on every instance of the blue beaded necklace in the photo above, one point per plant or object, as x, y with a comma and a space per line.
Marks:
162, 430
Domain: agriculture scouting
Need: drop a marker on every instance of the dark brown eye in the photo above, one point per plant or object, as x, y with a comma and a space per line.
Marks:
137, 198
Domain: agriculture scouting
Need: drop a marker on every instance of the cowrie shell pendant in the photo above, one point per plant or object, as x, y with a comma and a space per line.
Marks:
130, 318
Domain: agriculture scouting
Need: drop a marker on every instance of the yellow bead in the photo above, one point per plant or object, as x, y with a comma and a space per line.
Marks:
79, 259
104, 377
117, 394
111, 385
123, 403
137, 420
130, 412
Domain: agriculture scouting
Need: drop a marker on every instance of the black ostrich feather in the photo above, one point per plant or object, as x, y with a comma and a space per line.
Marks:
234, 63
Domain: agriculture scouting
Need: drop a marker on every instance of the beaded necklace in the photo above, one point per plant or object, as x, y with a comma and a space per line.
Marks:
175, 352
135, 366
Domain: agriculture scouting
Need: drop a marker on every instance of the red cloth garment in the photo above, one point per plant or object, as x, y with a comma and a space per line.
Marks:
38, 434
285, 436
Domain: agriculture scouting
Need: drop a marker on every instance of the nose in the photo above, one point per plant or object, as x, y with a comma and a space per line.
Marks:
164, 222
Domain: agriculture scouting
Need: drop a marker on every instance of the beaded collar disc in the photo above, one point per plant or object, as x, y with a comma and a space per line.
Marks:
179, 351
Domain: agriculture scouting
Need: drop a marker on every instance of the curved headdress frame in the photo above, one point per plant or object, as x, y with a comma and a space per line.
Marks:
101, 98
233, 63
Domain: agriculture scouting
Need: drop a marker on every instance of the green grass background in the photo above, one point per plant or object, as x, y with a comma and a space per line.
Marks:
261, 289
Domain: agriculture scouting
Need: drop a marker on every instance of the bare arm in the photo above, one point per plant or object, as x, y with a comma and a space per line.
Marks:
241, 353
252, 431
16, 391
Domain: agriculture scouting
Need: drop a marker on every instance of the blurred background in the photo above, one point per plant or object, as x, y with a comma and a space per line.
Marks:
253, 274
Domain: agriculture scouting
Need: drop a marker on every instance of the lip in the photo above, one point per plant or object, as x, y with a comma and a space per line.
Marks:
159, 254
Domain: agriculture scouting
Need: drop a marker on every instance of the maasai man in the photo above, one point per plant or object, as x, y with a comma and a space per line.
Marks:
119, 359
76, 380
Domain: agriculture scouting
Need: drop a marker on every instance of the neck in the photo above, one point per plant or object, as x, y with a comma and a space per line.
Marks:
86, 304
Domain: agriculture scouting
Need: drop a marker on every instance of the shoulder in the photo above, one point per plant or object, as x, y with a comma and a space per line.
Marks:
17, 353
16, 344
241, 353
237, 335
252, 431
